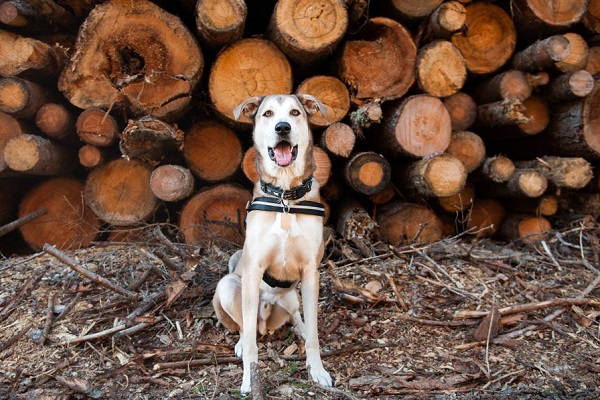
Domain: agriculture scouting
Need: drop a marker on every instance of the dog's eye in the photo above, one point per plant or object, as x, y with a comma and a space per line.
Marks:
295, 112
268, 113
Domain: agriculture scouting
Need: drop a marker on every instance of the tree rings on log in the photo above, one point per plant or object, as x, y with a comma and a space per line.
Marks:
332, 93
136, 56
537, 18
441, 69
220, 23
215, 214
367, 172
172, 182
69, 223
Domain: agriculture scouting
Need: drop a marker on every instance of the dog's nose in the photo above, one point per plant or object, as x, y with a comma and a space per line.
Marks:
283, 128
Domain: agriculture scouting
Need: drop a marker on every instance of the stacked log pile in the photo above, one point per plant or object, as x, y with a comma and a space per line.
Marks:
442, 116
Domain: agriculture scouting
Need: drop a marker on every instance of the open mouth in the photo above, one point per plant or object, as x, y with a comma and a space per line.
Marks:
283, 154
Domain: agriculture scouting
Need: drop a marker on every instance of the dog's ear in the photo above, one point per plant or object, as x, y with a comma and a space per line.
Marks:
311, 104
248, 108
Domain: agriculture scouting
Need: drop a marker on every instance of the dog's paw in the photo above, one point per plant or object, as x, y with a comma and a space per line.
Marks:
239, 348
246, 387
319, 375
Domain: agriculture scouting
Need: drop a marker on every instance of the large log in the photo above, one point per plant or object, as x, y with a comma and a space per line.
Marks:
538, 18
446, 20
134, 56
69, 223
338, 139
529, 229
485, 217
308, 32
172, 182
220, 23
468, 147
441, 69
403, 223
490, 40
510, 84
238, 73
570, 86
543, 54
332, 93
459, 201
579, 55
496, 169
387, 76
57, 122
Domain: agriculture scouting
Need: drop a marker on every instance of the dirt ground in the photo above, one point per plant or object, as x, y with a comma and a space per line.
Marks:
403, 322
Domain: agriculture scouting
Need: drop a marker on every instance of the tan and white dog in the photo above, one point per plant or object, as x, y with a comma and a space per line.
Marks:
284, 235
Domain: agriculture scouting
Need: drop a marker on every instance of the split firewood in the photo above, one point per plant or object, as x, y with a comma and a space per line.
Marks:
220, 24
485, 217
172, 182
469, 148
35, 155
308, 32
387, 76
511, 84
462, 109
543, 54
490, 39
566, 172
29, 58
402, 223
367, 172
136, 57
529, 229
338, 139
21, 98
535, 19
97, 127
151, 140
570, 86
578, 58
68, 223
229, 84
334, 95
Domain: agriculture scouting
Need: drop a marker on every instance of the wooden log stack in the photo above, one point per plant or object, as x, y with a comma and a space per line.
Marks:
442, 116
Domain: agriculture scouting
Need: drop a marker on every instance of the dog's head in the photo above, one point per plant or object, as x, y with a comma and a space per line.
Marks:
281, 130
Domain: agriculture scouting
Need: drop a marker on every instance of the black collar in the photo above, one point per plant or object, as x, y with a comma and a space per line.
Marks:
295, 193
276, 283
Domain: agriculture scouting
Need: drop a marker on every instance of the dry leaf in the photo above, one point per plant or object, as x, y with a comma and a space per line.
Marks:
488, 328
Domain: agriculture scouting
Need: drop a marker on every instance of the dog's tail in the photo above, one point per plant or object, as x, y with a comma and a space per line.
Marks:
234, 260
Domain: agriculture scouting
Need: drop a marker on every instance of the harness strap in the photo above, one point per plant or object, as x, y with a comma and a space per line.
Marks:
277, 205
295, 193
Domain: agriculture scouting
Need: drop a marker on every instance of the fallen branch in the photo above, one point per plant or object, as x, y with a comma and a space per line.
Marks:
256, 384
574, 301
16, 224
14, 338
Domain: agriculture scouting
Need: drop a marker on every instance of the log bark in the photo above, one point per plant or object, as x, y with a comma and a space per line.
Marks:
579, 55
172, 182
69, 223
387, 76
308, 32
538, 18
338, 139
35, 155
490, 40
21, 98
543, 54
417, 126
522, 183
231, 82
37, 16
119, 192
437, 176
332, 93
136, 57
91, 156
462, 109
57, 122
496, 169
568, 87
485, 217
440, 69
529, 229
367, 172
29, 58
212, 151
446, 20
219, 24
565, 172
216, 214
403, 223
151, 140
512, 118
354, 223
511, 84
468, 147
97, 127
9, 128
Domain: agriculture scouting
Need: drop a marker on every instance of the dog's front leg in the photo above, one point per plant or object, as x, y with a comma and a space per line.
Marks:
310, 298
250, 301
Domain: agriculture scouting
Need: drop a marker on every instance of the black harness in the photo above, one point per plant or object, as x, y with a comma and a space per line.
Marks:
279, 204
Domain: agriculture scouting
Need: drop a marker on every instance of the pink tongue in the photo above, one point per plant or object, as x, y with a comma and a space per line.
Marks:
283, 154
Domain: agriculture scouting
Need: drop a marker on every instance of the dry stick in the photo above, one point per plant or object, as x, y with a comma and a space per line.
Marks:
139, 327
98, 335
433, 322
53, 251
12, 340
16, 224
48, 323
256, 384
164, 240
399, 296
25, 289
442, 270
521, 308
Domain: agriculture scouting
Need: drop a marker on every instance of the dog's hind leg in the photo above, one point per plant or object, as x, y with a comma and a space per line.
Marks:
227, 302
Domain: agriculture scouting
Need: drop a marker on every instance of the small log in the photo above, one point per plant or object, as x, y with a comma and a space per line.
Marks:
545, 206
512, 118
527, 228
446, 20
591, 18
119, 192
307, 32
485, 217
37, 16
172, 182
229, 82
570, 86
220, 24
490, 39
416, 126
354, 223
21, 98
367, 172
522, 183
543, 54
511, 84
28, 57
151, 140
593, 64
462, 109
565, 172
440, 69
537, 19
212, 151
578, 58
215, 213
387, 76
459, 201
9, 128
56, 121
403, 223
408, 11
136, 57
35, 155
91, 156
68, 224
496, 169
469, 148
436, 176
338, 139
97, 127
333, 94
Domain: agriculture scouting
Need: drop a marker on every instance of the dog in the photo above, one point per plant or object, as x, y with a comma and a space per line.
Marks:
284, 235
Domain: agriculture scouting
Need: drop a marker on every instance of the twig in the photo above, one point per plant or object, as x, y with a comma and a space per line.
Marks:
442, 270
336, 391
48, 323
25, 290
98, 335
139, 327
547, 250
53, 251
164, 240
520, 308
14, 338
16, 224
135, 285
433, 322
399, 297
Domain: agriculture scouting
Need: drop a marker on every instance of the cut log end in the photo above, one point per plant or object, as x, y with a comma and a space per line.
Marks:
171, 182
408, 223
